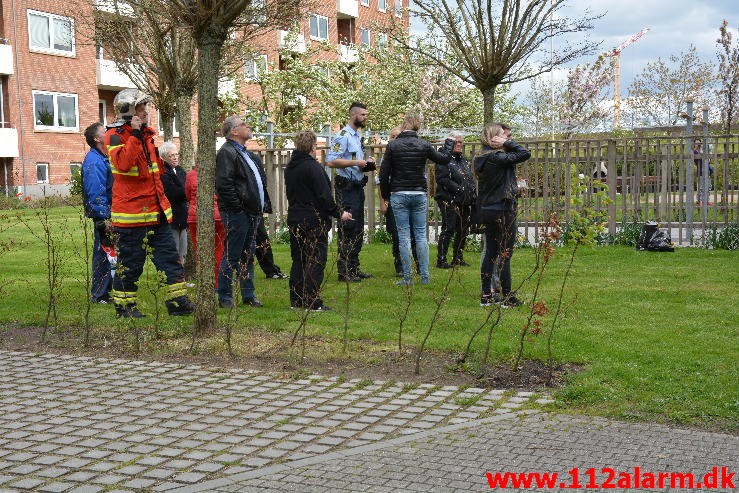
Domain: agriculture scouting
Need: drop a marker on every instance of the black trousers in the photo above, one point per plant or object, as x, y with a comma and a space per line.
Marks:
500, 236
391, 228
350, 233
455, 226
309, 251
263, 251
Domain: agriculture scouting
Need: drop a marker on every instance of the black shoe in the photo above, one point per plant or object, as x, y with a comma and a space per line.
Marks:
510, 301
102, 301
443, 265
321, 308
180, 305
128, 311
255, 303
363, 275
278, 275
349, 279
461, 263
226, 304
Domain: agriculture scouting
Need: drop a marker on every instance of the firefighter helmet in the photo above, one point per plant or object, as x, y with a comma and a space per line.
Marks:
125, 102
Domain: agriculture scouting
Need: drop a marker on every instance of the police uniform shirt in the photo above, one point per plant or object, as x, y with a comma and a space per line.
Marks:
348, 144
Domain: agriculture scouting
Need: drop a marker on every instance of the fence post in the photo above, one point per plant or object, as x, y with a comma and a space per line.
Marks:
611, 181
689, 173
664, 195
705, 175
270, 134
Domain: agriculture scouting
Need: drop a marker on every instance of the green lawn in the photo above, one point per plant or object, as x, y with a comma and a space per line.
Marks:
657, 333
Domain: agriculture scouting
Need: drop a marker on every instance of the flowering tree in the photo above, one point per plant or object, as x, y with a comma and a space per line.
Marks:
728, 76
583, 101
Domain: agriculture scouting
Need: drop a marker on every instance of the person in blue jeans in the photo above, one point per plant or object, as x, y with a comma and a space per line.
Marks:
241, 187
97, 192
403, 182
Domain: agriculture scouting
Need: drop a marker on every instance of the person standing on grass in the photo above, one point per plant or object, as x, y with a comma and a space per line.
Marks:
309, 213
97, 193
141, 212
495, 167
173, 179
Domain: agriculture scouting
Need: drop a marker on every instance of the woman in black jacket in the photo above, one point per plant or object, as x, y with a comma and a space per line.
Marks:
455, 193
173, 181
310, 208
496, 204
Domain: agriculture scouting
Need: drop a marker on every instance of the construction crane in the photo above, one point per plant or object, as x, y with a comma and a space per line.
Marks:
616, 54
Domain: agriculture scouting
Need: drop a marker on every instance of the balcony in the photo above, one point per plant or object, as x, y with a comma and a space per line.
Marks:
110, 78
226, 86
292, 41
347, 9
348, 54
8, 142
6, 59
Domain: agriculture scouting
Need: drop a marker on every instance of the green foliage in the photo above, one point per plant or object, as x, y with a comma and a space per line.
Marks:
75, 182
727, 238
281, 237
380, 236
628, 234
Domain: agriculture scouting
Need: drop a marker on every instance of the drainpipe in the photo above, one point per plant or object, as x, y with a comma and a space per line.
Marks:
20, 104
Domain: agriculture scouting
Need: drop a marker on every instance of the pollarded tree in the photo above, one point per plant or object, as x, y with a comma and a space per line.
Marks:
728, 76
661, 90
488, 43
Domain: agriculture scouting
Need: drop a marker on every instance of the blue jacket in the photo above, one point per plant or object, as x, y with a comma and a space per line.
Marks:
97, 185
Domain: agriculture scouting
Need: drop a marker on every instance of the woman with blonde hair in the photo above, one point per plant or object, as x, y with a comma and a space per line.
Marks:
497, 188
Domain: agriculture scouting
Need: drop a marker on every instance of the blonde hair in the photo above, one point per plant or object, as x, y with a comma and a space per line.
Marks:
412, 121
305, 140
486, 137
394, 132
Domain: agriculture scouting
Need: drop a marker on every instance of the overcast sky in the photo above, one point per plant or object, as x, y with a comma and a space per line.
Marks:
674, 26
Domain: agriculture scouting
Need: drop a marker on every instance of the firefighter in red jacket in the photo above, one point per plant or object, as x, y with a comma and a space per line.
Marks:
140, 212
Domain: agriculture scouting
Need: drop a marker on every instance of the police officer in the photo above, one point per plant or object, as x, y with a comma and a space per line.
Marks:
347, 156
140, 212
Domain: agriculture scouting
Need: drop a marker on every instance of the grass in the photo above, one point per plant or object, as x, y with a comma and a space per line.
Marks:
657, 333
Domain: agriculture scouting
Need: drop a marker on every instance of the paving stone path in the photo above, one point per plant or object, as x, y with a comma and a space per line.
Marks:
82, 424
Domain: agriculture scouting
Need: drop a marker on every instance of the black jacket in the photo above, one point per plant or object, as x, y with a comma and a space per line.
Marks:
496, 175
308, 191
173, 181
236, 185
454, 182
404, 164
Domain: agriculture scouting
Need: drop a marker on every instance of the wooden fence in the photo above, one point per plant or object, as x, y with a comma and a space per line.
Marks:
647, 178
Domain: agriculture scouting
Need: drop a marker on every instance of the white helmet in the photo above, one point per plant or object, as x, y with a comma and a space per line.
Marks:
125, 102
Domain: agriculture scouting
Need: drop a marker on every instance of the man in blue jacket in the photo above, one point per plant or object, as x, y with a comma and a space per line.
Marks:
97, 192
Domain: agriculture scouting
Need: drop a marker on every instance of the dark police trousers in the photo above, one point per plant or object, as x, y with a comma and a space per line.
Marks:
309, 251
263, 251
350, 197
455, 224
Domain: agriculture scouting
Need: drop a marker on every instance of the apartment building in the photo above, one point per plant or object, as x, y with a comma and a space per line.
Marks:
54, 81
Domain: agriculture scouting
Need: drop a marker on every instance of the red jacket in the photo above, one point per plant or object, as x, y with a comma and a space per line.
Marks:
138, 194
191, 192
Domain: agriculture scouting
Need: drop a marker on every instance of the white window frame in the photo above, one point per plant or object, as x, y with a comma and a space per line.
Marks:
2, 105
369, 37
45, 166
175, 133
365, 3
381, 41
55, 127
318, 18
50, 50
382, 5
398, 8
252, 67
104, 105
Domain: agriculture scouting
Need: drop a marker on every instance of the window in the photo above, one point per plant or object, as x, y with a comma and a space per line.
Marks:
49, 33
175, 133
55, 111
74, 169
364, 2
318, 27
42, 172
102, 112
365, 37
254, 67
382, 5
323, 70
398, 8
382, 41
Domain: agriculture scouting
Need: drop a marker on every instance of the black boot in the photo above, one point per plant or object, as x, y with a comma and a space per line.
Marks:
128, 311
180, 306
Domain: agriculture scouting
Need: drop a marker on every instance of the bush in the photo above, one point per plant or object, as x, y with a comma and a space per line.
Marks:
282, 236
75, 182
380, 236
628, 234
725, 239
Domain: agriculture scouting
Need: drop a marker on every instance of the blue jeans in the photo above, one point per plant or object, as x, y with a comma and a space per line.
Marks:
410, 212
101, 278
241, 229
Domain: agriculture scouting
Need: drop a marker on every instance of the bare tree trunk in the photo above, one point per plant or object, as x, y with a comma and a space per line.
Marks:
166, 119
184, 127
488, 104
209, 53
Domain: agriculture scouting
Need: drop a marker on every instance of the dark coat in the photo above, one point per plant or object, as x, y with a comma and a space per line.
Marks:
455, 182
404, 164
236, 185
173, 181
496, 175
308, 191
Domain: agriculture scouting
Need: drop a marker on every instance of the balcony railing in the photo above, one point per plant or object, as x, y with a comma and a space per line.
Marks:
109, 77
6, 59
8, 142
348, 54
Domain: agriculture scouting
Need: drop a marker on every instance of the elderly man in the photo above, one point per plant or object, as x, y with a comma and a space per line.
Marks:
241, 186
140, 212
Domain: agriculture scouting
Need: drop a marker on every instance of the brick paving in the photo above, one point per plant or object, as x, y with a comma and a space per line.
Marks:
70, 423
